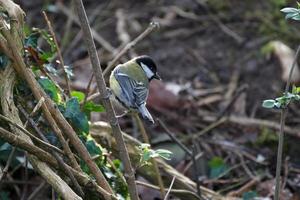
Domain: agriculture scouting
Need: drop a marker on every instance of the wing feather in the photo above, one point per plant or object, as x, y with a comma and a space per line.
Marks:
133, 92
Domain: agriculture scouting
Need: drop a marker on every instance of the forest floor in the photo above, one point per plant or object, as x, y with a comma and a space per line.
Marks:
216, 69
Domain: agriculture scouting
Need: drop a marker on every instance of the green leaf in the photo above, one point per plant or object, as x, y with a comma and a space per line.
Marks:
289, 10
31, 40
76, 116
217, 167
249, 195
297, 17
49, 67
92, 107
49, 39
163, 153
297, 90
50, 88
291, 15
3, 61
270, 103
146, 156
69, 71
144, 146
46, 56
79, 95
93, 148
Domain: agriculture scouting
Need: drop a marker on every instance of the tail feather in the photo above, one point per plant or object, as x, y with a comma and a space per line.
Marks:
145, 113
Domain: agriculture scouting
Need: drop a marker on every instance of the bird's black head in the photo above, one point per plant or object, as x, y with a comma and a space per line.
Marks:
146, 62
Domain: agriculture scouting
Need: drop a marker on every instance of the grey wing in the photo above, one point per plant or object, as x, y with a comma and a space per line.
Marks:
133, 92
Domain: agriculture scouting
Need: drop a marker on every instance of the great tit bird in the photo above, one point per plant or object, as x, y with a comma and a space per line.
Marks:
129, 82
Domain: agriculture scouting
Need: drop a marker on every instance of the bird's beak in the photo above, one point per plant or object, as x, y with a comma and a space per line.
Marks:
156, 76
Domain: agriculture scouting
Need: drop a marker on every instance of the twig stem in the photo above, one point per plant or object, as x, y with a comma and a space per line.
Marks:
128, 46
170, 188
129, 173
59, 54
153, 161
281, 132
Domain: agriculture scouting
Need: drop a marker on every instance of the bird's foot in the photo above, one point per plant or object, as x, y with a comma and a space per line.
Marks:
108, 93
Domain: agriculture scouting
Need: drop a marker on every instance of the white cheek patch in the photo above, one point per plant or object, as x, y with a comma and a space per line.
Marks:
148, 72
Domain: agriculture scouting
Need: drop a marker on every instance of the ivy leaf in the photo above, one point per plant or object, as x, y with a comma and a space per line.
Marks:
46, 56
270, 103
249, 195
76, 116
50, 89
93, 148
32, 40
3, 60
79, 95
90, 106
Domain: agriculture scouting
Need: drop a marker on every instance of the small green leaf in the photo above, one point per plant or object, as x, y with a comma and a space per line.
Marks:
50, 88
289, 10
92, 107
144, 145
69, 71
93, 148
31, 40
146, 156
46, 56
291, 15
217, 167
49, 67
79, 95
297, 90
76, 116
49, 39
270, 103
296, 17
163, 153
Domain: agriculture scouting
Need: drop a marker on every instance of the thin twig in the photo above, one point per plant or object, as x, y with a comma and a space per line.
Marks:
31, 135
129, 173
176, 192
170, 188
131, 44
170, 134
37, 190
121, 53
283, 114
9, 160
59, 54
25, 187
153, 161
192, 154
195, 167
107, 46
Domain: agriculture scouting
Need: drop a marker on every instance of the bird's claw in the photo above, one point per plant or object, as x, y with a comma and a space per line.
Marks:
108, 94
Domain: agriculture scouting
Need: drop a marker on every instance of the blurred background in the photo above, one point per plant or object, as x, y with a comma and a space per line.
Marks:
219, 59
